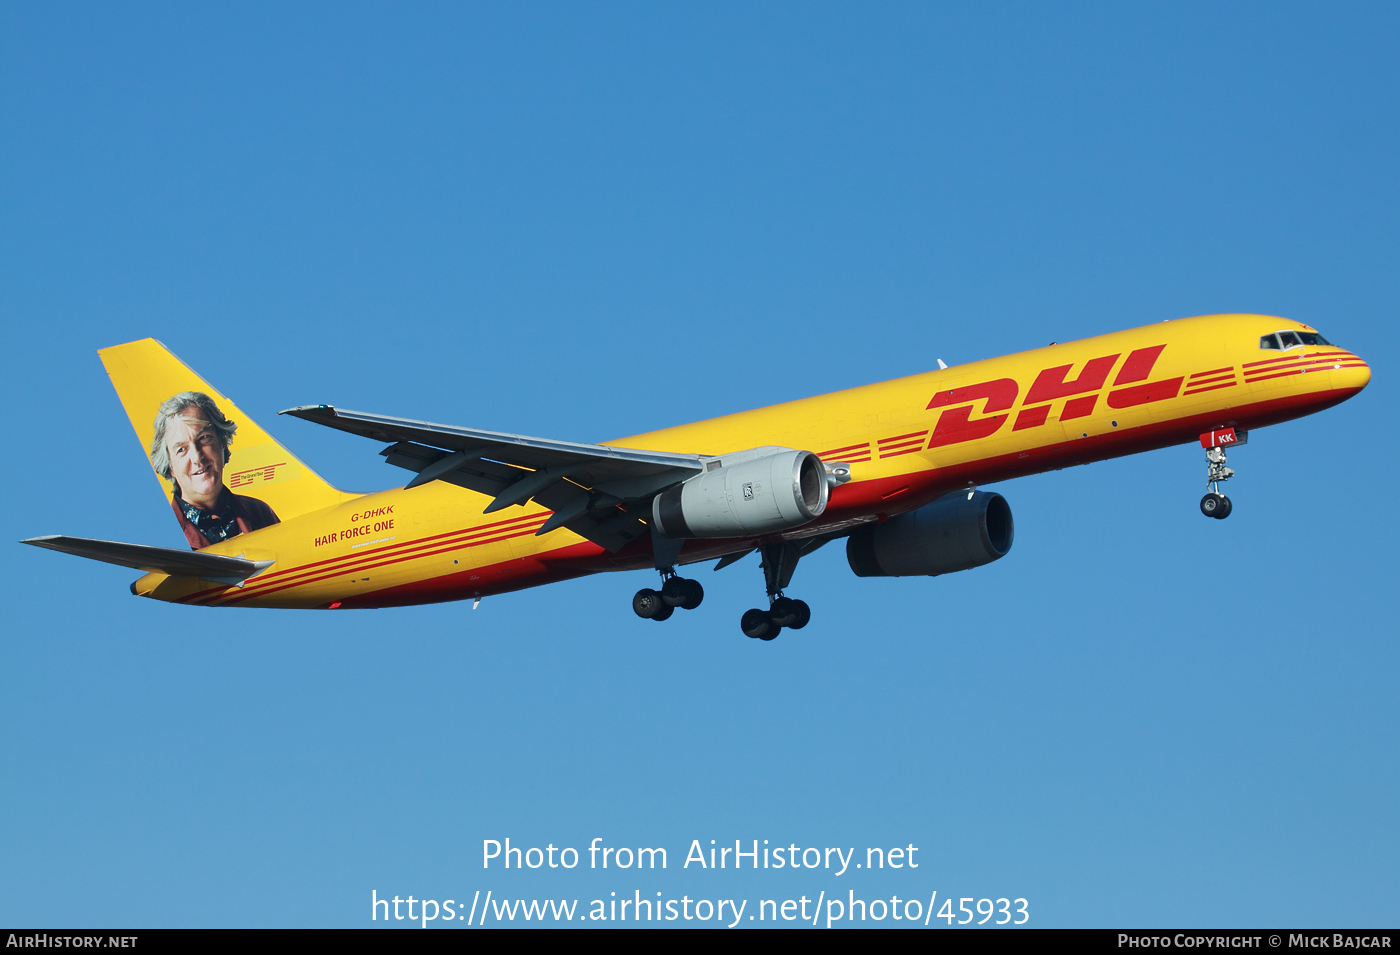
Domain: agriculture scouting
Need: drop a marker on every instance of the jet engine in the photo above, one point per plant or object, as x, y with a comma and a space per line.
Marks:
753, 492
955, 532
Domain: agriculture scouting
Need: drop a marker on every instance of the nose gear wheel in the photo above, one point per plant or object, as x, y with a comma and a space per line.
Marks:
1215, 504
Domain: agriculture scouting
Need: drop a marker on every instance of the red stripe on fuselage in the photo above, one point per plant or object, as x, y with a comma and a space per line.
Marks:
901, 437
417, 555
1197, 391
347, 562
1270, 361
848, 448
1321, 364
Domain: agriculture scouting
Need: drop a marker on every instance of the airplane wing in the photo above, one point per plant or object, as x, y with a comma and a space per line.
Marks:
598, 492
162, 560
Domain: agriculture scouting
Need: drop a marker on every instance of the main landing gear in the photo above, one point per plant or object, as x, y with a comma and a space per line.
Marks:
675, 592
784, 612
779, 562
1215, 504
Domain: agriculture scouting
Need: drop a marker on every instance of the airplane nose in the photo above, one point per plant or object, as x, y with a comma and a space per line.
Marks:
1349, 372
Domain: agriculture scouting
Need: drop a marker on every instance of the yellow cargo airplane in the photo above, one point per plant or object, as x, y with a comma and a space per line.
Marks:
896, 475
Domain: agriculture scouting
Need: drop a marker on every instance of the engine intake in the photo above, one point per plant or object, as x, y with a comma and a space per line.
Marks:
950, 534
761, 491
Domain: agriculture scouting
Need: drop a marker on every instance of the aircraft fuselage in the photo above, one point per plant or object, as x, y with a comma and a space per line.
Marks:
907, 442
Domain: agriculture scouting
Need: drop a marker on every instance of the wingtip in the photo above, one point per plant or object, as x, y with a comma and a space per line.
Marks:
306, 411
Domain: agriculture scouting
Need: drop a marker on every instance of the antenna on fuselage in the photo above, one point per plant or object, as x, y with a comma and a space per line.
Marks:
941, 366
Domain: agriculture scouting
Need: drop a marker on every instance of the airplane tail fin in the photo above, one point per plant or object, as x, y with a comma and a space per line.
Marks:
156, 389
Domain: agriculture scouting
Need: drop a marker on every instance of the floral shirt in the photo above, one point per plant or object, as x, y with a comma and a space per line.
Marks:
214, 526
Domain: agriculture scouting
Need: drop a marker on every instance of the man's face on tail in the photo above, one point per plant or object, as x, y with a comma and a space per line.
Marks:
196, 457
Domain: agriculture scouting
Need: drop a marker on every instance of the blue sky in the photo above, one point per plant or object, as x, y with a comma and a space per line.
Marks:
587, 222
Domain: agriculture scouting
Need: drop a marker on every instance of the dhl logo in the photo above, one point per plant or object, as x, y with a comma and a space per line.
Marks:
1080, 395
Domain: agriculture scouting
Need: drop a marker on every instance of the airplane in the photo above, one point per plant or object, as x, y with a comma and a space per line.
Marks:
897, 475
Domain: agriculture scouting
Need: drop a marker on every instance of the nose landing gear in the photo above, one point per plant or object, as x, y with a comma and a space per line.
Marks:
1215, 504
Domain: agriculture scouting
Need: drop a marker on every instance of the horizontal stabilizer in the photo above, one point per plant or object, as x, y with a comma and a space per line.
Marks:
157, 560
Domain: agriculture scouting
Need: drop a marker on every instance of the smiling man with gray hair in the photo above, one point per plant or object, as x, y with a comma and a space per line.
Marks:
190, 449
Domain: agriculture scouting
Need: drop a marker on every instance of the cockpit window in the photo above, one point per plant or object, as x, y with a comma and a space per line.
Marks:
1288, 338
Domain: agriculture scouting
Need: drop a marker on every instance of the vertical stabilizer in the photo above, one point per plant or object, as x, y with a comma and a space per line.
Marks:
267, 482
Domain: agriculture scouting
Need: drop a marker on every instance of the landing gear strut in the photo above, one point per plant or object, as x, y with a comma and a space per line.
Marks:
1215, 504
675, 592
779, 562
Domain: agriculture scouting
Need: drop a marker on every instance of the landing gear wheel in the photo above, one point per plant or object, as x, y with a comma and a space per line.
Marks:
679, 592
758, 624
1213, 505
784, 612
663, 614
674, 592
1227, 507
647, 604
804, 615
694, 594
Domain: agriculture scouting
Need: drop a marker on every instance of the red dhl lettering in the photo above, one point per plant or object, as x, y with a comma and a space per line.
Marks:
1079, 407
1050, 383
956, 424
1139, 365
1137, 368
1144, 394
1031, 417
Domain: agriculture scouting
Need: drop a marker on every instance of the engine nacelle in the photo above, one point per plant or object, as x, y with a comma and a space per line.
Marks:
950, 534
765, 490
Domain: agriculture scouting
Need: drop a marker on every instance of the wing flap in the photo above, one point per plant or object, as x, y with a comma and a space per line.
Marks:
483, 477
